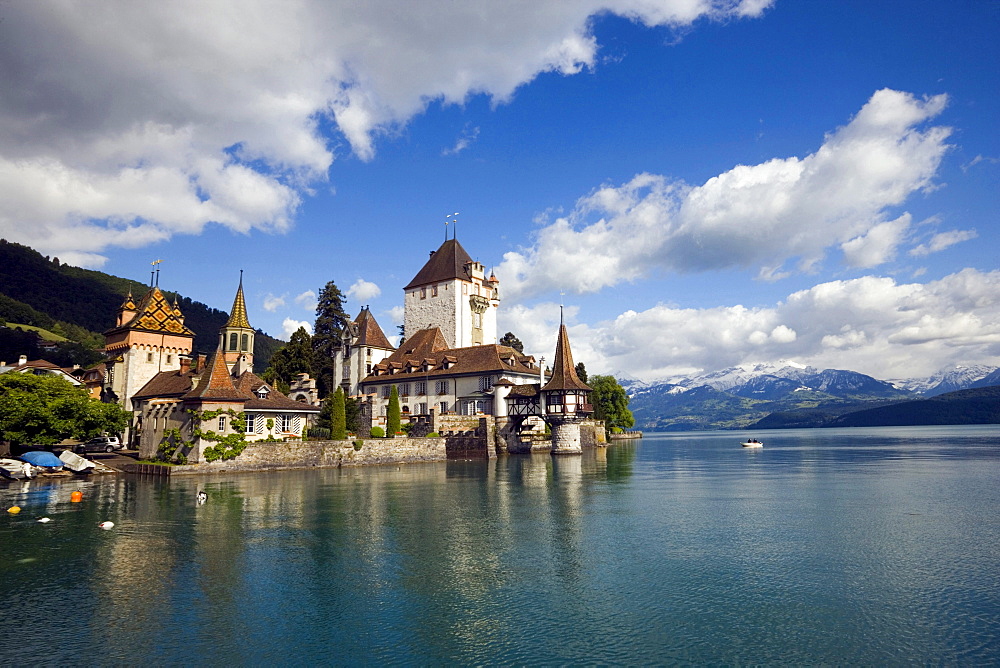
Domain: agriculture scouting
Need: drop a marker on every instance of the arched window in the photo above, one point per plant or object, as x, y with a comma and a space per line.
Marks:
233, 341
245, 343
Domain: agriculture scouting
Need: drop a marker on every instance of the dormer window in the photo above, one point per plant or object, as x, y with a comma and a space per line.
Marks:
262, 392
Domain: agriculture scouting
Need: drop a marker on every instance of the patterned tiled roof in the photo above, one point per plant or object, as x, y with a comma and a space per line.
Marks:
155, 314
445, 264
128, 304
238, 316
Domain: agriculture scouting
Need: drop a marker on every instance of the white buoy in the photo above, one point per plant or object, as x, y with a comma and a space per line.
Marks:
106, 525
202, 497
43, 520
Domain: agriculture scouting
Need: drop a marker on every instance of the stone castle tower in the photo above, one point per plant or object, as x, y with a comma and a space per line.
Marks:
147, 338
236, 337
453, 293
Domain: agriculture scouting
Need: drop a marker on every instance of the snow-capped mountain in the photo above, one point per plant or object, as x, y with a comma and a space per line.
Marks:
948, 379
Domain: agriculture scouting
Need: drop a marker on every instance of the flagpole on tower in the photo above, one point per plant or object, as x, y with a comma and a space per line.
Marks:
155, 271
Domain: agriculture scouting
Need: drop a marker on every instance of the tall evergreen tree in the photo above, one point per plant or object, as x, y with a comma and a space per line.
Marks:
338, 421
294, 358
331, 321
392, 414
352, 411
581, 371
512, 341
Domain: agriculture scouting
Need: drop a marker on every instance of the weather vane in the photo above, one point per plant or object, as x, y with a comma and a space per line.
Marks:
449, 219
155, 271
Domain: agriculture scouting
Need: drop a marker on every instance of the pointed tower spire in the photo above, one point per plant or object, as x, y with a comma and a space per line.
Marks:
563, 371
236, 338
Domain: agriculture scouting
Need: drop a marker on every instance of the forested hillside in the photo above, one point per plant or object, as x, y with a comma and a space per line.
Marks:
80, 304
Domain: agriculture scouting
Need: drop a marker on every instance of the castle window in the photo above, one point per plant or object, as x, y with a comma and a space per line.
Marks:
434, 291
444, 406
423, 293
170, 358
233, 341
251, 423
386, 391
485, 383
404, 389
285, 422
245, 343
441, 386
222, 423
421, 387
149, 357
422, 409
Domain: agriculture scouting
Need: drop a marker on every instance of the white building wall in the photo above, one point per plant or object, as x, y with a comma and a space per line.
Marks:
424, 309
137, 369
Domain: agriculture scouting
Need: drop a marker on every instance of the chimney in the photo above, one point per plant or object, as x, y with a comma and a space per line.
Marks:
202, 361
22, 360
185, 364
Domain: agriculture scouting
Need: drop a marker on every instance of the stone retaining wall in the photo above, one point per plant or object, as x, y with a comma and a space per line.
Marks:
328, 454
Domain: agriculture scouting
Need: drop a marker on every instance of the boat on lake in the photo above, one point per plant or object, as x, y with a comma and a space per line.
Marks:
752, 443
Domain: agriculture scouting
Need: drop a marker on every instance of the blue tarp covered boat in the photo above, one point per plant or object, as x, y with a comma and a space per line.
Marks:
42, 458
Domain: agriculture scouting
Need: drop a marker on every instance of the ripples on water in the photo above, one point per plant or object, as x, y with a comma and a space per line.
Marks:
830, 546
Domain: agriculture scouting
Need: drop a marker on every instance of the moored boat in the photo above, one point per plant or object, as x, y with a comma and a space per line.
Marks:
752, 443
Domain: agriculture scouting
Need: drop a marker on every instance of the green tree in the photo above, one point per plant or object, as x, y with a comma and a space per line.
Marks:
512, 341
46, 409
331, 321
352, 411
293, 358
610, 403
338, 419
581, 371
392, 415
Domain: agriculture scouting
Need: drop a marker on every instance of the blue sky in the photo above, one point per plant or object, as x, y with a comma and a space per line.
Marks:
702, 184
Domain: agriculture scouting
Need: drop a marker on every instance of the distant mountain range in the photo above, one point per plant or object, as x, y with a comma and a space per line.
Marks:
787, 394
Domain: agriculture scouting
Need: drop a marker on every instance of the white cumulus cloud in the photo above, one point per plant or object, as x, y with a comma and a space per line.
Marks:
307, 300
289, 326
273, 302
363, 290
766, 216
124, 123
875, 325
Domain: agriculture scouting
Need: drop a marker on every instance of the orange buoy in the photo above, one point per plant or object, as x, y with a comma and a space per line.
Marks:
14, 510
76, 497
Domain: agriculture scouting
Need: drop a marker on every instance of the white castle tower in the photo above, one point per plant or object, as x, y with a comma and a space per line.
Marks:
453, 293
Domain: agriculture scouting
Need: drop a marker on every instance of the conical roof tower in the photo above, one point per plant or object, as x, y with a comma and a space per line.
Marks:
236, 338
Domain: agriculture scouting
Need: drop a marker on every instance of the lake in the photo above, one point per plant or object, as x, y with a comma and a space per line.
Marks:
847, 546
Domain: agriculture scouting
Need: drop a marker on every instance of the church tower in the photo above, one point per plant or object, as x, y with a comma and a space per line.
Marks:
453, 293
236, 337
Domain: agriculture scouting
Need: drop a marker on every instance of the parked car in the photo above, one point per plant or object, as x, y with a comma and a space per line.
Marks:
99, 444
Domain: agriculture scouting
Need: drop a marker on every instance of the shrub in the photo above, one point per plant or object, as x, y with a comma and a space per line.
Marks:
358, 444
433, 434
378, 432
319, 433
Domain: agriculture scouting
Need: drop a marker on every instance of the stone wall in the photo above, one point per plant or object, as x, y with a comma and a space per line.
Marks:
329, 454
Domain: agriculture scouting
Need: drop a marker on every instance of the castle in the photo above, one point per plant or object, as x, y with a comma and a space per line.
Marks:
151, 372
450, 362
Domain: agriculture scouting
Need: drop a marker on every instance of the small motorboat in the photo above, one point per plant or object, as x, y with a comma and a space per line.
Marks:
42, 459
752, 443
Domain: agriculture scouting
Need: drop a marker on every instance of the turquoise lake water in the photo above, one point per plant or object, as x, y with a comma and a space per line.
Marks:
851, 546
